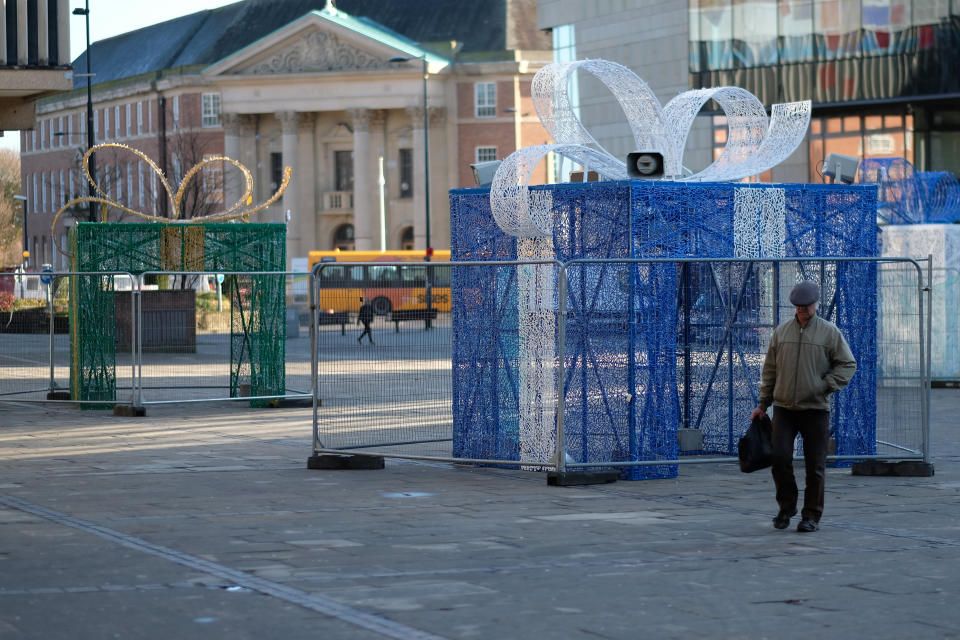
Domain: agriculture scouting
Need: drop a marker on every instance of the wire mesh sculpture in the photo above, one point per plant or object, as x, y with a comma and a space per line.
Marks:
257, 341
908, 196
626, 391
754, 144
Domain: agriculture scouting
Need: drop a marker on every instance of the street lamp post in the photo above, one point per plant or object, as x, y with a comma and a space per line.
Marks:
85, 12
426, 180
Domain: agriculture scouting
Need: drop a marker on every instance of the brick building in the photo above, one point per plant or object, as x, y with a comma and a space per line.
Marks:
335, 92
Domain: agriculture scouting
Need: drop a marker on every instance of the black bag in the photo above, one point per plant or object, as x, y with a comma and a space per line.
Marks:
755, 448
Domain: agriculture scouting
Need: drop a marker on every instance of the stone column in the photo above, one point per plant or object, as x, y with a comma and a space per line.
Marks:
421, 201
378, 129
305, 167
290, 122
363, 182
419, 179
238, 131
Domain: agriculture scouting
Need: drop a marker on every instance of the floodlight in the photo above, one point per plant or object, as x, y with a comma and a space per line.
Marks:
483, 172
841, 168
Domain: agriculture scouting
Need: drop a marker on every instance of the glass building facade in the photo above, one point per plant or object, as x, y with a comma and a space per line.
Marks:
882, 74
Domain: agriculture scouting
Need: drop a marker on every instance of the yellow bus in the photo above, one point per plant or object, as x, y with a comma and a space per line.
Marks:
388, 287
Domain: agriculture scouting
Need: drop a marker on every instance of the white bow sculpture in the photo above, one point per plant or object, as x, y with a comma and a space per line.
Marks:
754, 144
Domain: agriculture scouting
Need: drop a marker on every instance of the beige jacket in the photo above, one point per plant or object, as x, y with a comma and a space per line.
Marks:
804, 365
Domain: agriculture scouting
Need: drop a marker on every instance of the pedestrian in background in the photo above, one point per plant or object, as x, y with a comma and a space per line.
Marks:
808, 359
365, 316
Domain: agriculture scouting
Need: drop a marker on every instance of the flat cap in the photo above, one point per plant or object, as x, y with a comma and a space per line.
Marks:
804, 293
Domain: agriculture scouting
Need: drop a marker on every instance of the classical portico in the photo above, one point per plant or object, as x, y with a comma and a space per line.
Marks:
313, 93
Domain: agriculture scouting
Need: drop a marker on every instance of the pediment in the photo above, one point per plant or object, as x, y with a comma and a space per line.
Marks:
312, 44
314, 51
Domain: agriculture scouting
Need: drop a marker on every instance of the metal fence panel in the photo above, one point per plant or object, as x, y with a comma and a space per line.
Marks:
387, 391
645, 352
220, 336
40, 361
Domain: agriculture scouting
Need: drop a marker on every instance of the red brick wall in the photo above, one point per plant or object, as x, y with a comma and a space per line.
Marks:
53, 154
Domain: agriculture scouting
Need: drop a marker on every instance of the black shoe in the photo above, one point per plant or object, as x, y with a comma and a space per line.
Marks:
782, 519
806, 526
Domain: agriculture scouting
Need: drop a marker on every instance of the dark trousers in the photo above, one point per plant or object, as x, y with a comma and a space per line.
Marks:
366, 332
814, 427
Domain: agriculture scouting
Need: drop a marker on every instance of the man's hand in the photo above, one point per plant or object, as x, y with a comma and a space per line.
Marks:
756, 413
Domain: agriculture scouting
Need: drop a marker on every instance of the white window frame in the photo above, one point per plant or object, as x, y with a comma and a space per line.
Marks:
210, 108
482, 154
139, 117
485, 104
140, 180
129, 183
212, 180
128, 112
176, 112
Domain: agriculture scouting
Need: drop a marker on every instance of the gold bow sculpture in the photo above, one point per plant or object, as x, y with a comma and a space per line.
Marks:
233, 212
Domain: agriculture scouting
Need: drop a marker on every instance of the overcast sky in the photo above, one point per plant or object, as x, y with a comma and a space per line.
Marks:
112, 17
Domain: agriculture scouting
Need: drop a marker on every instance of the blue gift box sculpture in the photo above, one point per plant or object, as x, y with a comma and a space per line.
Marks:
651, 347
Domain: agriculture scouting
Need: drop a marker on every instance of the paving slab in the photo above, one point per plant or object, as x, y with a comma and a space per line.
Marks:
202, 521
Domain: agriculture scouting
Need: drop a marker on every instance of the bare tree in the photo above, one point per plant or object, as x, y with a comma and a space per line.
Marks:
11, 211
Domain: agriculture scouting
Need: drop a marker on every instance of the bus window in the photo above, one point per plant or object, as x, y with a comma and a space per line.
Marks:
354, 275
383, 274
414, 276
331, 273
440, 276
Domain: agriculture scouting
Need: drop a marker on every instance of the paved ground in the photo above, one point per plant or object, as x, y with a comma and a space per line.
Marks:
201, 521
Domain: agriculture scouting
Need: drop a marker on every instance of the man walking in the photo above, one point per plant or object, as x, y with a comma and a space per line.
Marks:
808, 359
366, 317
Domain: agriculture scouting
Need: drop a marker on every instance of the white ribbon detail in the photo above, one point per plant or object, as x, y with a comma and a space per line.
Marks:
755, 143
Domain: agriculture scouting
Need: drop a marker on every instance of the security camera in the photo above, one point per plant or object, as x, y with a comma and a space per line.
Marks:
645, 164
483, 172
841, 168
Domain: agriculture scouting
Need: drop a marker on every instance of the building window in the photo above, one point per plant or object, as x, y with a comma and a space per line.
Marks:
406, 173
343, 238
486, 154
116, 121
211, 110
343, 168
276, 170
177, 168
406, 239
485, 99
140, 117
129, 184
127, 114
176, 112
213, 180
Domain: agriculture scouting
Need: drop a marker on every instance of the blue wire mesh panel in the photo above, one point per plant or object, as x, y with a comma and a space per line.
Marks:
728, 311
653, 346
